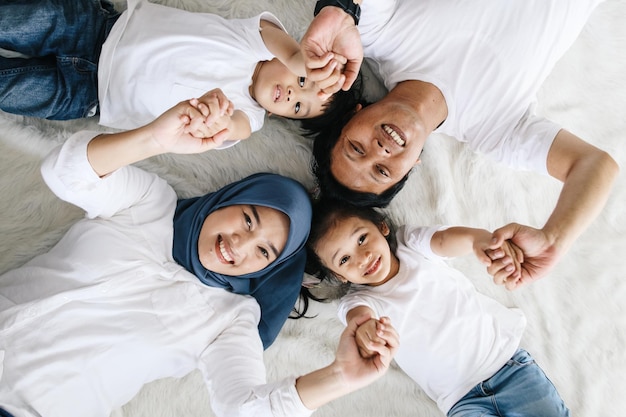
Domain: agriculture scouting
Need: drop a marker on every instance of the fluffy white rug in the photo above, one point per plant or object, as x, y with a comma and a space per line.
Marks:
576, 316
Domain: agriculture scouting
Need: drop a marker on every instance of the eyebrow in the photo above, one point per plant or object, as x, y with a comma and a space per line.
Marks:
255, 213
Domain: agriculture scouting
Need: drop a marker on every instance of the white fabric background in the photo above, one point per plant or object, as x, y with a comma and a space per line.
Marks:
576, 316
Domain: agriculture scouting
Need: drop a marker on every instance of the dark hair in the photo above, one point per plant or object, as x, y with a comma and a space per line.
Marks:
337, 105
326, 131
326, 214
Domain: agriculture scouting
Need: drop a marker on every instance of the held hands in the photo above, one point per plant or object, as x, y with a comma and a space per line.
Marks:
332, 50
357, 370
540, 254
503, 259
193, 126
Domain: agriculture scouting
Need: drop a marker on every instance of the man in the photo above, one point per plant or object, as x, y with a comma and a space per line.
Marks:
469, 70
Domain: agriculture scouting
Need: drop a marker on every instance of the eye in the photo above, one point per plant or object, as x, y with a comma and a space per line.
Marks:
248, 221
301, 81
356, 149
362, 239
344, 260
297, 107
264, 252
382, 171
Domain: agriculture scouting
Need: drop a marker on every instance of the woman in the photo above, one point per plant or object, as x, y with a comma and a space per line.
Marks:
124, 298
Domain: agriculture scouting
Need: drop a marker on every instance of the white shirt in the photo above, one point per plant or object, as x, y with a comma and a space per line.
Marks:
488, 59
107, 310
451, 337
157, 56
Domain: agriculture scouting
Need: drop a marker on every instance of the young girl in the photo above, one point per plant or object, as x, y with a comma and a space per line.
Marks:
461, 347
83, 57
148, 287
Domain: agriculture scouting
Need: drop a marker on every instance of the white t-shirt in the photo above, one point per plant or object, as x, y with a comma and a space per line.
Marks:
107, 310
488, 58
157, 56
451, 337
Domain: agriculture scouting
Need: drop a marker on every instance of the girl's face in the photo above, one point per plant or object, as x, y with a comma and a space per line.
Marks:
357, 251
241, 239
283, 93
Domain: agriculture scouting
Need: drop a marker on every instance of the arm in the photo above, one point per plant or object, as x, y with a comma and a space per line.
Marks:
349, 371
332, 31
283, 47
588, 174
180, 129
496, 255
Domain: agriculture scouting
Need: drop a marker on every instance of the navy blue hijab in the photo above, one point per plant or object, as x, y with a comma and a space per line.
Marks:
277, 286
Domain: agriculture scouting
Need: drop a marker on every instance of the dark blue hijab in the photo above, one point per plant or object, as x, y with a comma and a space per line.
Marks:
277, 286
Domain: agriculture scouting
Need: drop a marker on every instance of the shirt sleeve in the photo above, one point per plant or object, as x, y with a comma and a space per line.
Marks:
68, 173
374, 15
526, 147
235, 374
356, 297
419, 239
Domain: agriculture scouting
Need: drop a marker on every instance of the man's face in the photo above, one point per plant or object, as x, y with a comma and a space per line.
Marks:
378, 147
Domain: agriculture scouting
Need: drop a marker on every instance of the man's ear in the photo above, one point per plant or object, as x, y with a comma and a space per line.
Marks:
384, 228
358, 108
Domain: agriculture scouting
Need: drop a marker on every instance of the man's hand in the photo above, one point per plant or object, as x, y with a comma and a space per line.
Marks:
540, 254
331, 39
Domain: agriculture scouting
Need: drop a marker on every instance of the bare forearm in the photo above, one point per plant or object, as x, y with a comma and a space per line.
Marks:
587, 183
109, 152
457, 241
321, 386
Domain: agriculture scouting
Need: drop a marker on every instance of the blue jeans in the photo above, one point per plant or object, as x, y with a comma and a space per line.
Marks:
59, 42
519, 389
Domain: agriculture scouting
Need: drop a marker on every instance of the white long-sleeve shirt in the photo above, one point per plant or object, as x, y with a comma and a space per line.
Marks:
107, 310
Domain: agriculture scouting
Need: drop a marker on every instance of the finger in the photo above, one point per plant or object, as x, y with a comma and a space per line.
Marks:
330, 90
351, 71
321, 75
317, 60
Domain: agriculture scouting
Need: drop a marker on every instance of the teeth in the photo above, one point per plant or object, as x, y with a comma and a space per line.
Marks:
224, 253
394, 135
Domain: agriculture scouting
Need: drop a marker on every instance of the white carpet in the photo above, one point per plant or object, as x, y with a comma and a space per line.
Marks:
576, 316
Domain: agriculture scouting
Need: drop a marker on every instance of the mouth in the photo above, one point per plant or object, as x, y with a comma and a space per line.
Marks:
395, 134
222, 252
374, 267
277, 93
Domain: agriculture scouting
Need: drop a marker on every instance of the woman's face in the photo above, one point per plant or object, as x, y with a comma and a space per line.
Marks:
241, 239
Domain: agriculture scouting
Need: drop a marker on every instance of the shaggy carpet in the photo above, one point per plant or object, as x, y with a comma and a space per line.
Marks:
576, 316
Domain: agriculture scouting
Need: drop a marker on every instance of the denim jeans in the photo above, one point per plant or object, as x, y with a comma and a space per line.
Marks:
519, 389
59, 42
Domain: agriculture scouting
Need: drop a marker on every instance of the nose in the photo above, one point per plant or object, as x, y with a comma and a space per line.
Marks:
366, 258
381, 149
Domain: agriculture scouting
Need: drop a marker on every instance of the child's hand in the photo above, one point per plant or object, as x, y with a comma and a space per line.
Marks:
506, 266
216, 111
368, 336
181, 129
331, 75
503, 261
